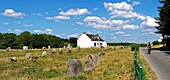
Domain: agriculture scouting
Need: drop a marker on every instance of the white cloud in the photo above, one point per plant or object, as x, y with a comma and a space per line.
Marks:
48, 31
58, 35
123, 10
79, 23
132, 27
128, 0
17, 30
99, 32
28, 25
38, 31
14, 31
148, 31
149, 22
17, 22
160, 39
5, 23
114, 37
95, 9
112, 34
120, 33
62, 17
46, 13
73, 35
135, 3
59, 9
118, 6
63, 34
126, 35
37, 14
12, 13
99, 23
126, 14
58, 18
78, 11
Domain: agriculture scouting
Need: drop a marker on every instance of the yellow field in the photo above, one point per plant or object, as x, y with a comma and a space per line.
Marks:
115, 65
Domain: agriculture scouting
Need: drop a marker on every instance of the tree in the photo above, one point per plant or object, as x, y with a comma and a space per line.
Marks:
30, 40
9, 40
24, 39
164, 20
73, 41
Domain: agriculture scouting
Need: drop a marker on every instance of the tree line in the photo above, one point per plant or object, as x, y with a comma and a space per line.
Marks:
127, 44
33, 40
164, 21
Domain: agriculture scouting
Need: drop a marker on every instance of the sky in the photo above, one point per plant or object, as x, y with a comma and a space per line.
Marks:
114, 20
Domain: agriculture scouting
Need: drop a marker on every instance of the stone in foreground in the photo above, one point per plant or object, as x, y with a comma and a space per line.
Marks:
25, 48
68, 49
92, 58
74, 68
14, 59
28, 55
43, 48
60, 51
89, 66
44, 53
53, 51
8, 49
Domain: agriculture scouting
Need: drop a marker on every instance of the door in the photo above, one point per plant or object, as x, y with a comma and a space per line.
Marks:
94, 43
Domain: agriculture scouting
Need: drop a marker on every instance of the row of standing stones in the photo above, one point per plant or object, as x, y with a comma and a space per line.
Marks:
44, 53
75, 68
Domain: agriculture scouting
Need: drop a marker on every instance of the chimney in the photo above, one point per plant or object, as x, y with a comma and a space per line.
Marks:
84, 32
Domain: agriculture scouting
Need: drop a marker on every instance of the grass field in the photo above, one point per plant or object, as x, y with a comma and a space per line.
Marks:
115, 65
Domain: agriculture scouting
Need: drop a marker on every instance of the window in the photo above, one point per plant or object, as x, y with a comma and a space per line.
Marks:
100, 44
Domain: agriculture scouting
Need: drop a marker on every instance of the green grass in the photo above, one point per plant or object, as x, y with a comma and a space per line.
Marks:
115, 64
147, 72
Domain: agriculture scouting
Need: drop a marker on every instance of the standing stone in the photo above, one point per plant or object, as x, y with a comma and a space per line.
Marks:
74, 68
25, 48
89, 66
92, 58
101, 53
49, 47
60, 51
43, 48
28, 55
53, 51
44, 53
78, 48
68, 49
13, 59
8, 49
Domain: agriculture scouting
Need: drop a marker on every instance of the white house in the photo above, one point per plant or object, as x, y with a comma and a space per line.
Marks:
90, 40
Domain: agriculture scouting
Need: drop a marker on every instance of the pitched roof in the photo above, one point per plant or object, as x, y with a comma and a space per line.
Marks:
94, 37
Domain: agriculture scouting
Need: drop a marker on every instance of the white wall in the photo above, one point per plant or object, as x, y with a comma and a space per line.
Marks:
85, 42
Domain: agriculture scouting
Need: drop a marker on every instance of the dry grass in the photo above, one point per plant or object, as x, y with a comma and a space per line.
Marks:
115, 65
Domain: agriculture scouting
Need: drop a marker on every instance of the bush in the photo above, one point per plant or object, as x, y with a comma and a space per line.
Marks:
135, 47
2, 47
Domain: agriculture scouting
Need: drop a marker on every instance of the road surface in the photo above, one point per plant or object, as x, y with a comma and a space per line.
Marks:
159, 60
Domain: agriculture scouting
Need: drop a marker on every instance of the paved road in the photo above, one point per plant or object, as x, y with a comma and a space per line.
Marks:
159, 60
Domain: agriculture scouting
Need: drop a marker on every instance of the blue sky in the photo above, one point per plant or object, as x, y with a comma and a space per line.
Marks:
113, 20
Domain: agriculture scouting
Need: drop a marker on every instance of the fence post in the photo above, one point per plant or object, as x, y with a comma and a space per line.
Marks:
138, 68
140, 73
